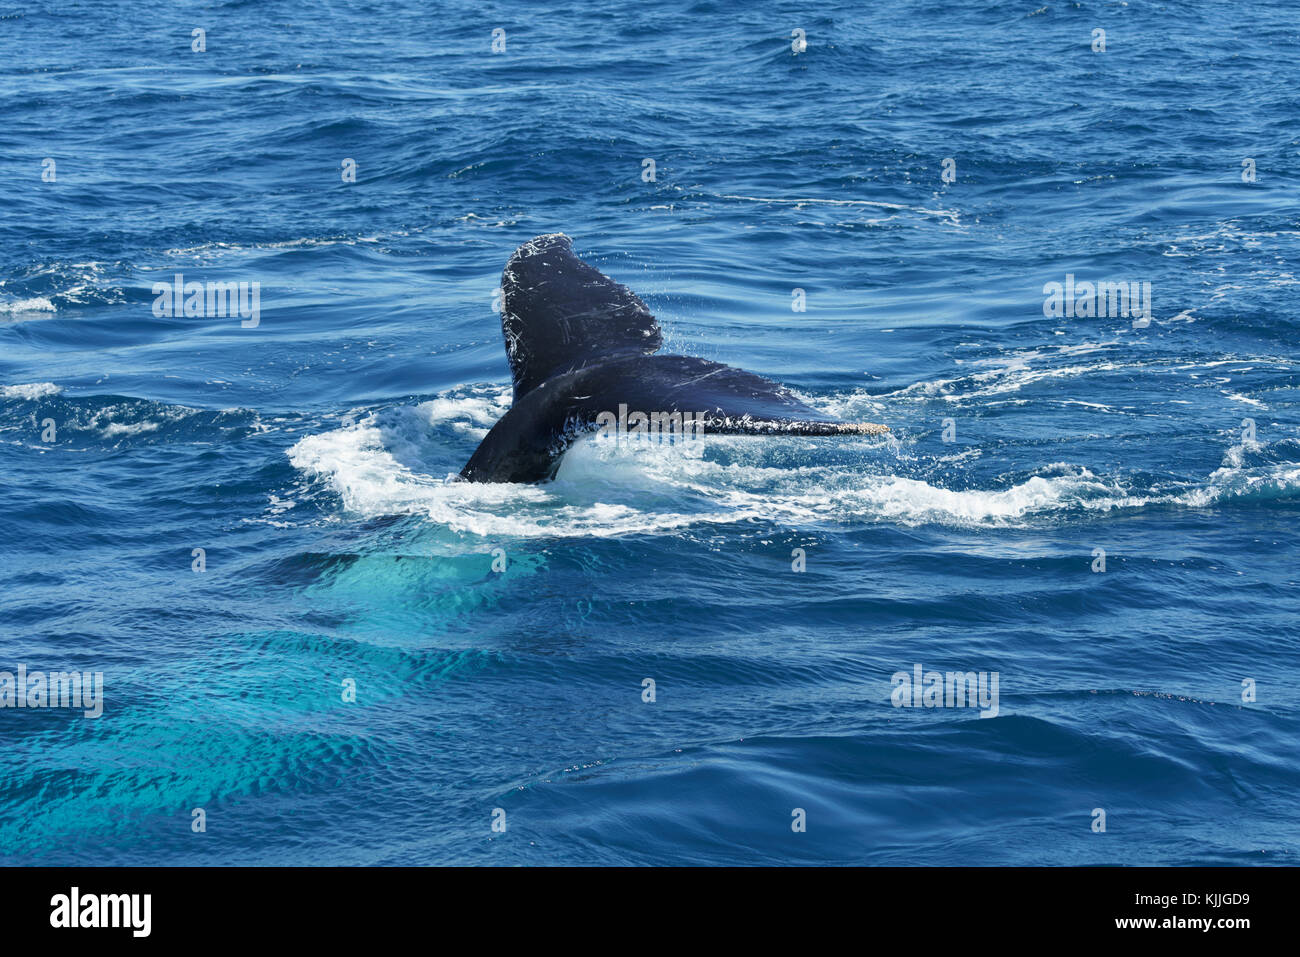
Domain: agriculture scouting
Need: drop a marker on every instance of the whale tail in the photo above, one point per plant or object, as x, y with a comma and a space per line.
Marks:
581, 345
560, 313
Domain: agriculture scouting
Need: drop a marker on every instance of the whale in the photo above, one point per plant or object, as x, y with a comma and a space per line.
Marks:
584, 349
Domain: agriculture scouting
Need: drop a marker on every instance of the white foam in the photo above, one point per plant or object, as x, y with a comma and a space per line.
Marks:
1236, 397
34, 390
115, 429
952, 216
213, 249
1234, 459
1010, 378
384, 466
482, 407
371, 482
34, 304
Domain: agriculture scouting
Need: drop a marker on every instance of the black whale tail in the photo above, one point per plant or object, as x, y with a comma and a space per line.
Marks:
560, 314
581, 344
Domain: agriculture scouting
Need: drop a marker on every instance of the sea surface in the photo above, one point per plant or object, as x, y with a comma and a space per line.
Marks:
1100, 511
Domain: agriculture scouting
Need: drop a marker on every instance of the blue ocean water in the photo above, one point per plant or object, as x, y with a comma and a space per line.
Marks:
308, 455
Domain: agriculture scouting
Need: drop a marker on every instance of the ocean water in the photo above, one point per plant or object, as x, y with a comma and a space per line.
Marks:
308, 454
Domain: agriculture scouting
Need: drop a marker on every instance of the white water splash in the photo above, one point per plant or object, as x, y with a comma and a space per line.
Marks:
34, 390
17, 307
602, 489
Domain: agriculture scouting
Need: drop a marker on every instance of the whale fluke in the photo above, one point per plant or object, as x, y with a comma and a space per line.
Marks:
582, 347
560, 313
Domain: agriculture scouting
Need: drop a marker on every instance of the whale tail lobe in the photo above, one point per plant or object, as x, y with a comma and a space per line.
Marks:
560, 314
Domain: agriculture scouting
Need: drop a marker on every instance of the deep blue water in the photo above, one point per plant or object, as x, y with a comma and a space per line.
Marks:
309, 456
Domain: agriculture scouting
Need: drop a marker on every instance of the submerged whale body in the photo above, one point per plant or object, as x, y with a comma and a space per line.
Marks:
582, 350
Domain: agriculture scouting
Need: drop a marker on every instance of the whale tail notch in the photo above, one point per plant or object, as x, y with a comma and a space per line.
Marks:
560, 314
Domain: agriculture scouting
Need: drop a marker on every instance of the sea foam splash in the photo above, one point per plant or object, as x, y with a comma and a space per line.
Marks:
30, 391
19, 307
396, 462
